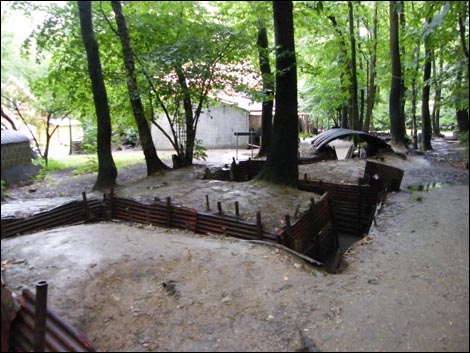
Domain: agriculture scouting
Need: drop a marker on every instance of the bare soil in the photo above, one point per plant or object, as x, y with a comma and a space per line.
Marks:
404, 287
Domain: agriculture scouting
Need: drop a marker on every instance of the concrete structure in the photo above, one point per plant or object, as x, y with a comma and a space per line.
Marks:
16, 158
216, 128
218, 124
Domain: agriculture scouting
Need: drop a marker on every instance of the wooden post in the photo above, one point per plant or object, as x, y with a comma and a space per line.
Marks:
288, 226
168, 211
359, 212
259, 224
297, 209
111, 201
85, 206
207, 203
237, 209
312, 204
40, 317
305, 176
219, 207
105, 208
129, 214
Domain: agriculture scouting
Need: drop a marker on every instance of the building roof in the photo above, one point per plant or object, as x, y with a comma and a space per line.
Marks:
238, 100
12, 136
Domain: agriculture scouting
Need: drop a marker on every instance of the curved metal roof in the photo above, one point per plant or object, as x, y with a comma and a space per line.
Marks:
11, 136
326, 137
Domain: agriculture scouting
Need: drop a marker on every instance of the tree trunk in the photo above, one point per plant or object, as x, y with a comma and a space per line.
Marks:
462, 113
462, 120
396, 118
154, 164
353, 69
414, 96
436, 109
344, 116
282, 164
425, 113
268, 90
402, 81
371, 88
107, 171
345, 73
188, 117
10, 121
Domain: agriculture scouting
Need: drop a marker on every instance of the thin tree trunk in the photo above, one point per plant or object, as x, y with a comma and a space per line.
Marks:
282, 163
344, 116
402, 81
154, 164
344, 74
188, 117
107, 171
436, 109
353, 68
371, 88
10, 121
426, 129
396, 118
18, 111
414, 96
268, 91
462, 113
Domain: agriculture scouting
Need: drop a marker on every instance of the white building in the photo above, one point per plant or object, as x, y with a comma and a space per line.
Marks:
217, 124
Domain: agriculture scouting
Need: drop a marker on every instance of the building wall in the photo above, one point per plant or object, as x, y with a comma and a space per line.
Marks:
16, 154
216, 128
61, 136
17, 164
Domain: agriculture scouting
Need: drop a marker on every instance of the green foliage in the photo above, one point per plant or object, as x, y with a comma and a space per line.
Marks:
52, 166
201, 38
91, 166
464, 141
200, 151
4, 187
89, 142
303, 135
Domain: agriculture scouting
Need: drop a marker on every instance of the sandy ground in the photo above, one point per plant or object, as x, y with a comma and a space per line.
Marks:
404, 287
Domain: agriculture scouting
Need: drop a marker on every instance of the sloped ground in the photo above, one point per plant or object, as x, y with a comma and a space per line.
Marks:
405, 287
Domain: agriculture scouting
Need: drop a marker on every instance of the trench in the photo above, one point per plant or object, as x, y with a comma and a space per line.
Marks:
352, 207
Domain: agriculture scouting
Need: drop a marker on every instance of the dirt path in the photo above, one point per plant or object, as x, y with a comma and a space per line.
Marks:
405, 287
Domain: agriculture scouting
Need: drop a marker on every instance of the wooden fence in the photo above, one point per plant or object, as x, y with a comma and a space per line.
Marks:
73, 212
352, 206
28, 325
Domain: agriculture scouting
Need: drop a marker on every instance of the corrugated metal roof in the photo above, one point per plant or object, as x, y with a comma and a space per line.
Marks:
326, 137
11, 136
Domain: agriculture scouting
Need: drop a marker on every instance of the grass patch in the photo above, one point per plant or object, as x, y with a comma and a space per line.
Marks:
88, 163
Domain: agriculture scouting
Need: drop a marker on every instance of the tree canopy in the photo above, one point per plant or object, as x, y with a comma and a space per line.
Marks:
187, 50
